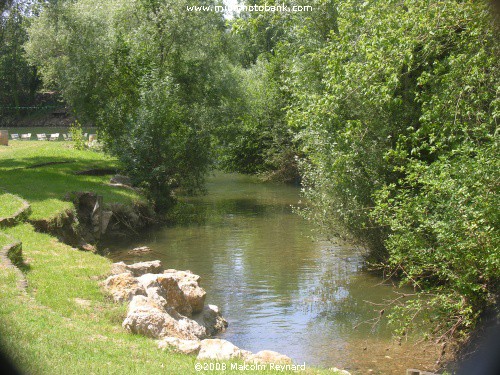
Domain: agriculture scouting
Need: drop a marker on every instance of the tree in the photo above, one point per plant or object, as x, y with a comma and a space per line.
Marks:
401, 140
269, 49
18, 80
150, 74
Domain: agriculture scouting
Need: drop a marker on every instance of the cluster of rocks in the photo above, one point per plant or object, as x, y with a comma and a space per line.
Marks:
221, 350
163, 303
169, 305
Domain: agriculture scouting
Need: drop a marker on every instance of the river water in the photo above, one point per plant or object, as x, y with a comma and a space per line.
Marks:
279, 287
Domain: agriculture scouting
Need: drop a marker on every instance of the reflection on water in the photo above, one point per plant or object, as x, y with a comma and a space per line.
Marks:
278, 288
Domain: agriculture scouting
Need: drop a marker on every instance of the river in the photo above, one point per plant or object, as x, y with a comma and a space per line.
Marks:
279, 287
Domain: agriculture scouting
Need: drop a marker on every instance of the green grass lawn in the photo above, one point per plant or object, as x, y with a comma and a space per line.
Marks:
45, 187
63, 323
9, 204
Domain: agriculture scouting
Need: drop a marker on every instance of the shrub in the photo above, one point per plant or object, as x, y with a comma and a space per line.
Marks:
76, 132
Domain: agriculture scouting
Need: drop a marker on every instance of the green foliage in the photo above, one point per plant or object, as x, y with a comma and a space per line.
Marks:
268, 45
76, 132
258, 140
400, 133
444, 232
389, 108
18, 80
108, 56
182, 151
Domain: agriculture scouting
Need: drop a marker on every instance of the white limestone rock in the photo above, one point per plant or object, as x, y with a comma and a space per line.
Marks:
148, 318
123, 287
220, 350
188, 282
180, 345
268, 356
212, 320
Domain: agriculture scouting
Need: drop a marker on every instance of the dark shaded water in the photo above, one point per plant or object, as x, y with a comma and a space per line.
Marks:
278, 287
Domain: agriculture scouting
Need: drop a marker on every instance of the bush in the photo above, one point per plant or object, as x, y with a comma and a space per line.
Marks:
163, 149
76, 133
444, 235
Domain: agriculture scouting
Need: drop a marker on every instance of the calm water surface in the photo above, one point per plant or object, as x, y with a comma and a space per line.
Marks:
279, 287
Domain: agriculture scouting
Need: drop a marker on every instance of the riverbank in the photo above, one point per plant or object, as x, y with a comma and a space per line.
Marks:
63, 323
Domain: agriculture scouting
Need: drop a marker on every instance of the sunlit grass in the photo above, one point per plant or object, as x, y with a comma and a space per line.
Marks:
25, 171
9, 204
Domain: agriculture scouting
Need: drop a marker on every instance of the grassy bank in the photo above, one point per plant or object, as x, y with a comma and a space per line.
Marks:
63, 323
9, 204
44, 172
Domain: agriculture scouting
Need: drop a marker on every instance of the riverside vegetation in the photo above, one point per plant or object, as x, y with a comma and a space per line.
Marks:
63, 323
385, 112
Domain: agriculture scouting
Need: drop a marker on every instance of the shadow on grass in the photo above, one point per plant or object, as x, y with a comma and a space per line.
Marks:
19, 163
50, 186
48, 161
21, 264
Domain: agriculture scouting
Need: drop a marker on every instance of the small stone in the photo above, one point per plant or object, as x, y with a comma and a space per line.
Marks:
217, 349
88, 247
83, 302
339, 371
140, 250
180, 345
120, 180
268, 356
212, 320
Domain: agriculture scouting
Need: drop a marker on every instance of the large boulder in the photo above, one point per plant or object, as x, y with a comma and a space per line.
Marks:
137, 269
146, 317
165, 291
212, 320
268, 356
188, 282
119, 267
160, 307
174, 295
123, 287
180, 345
149, 280
142, 268
220, 350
